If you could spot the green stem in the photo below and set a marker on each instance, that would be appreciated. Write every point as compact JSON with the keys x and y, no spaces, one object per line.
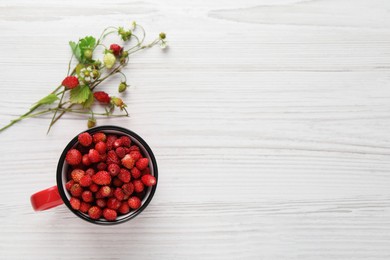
{"x":89,"y":112}
{"x":143,"y":33}
{"x":60,"y":115}
{"x":24,"y":116}
{"x":138,"y":42}
{"x":150,"y":45}
{"x":127,"y":113}
{"x":57,"y":88}
{"x":55,"y":113}
{"x":104,"y":35}
{"x":70,"y":62}
{"x":96,"y":83}
{"x":120,"y":72}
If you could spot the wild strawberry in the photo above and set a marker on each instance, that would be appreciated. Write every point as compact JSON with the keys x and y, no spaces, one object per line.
{"x":84,"y":207}
{"x":102,"y":97}
{"x":124,"y":208}
{"x":134,"y":202}
{"x":113,"y":203}
{"x":93,"y":187}
{"x":109,"y":60}
{"x":88,"y":54}
{"x":138,"y":185}
{"x":135,"y":155}
{"x":122,"y":87}
{"x":103,"y":157}
{"x":76,"y":190}
{"x":73,"y":157}
{"x":94,"y":156}
{"x":85,"y":139}
{"x":87,"y":196}
{"x":110,"y":141}
{"x":117,"y":182}
{"x":127,"y":150}
{"x":142,"y":163}
{"x":135,"y":173}
{"x":116,"y":49}
{"x":134,"y":148}
{"x":117,"y":143}
{"x":112,"y":158}
{"x":101,"y":203}
{"x":111,"y":193}
{"x":119,"y":194}
{"x":94,"y":212}
{"x":148,"y":180}
{"x":128,"y":188}
{"x":101,"y":178}
{"x":85,"y":160}
{"x":118,"y":102}
{"x":101,"y":166}
{"x":85,"y":181}
{"x":126,"y":141}
{"x":105,"y":191}
{"x":101,"y":147}
{"x":77,"y":174}
{"x":124,"y":175}
{"x":91,"y":122}
{"x":126,"y":197}
{"x":99,"y":137}
{"x":128,"y":161}
{"x":109,"y":214}
{"x":75,"y":203}
{"x":145,"y":171}
{"x":114,"y":169}
{"x":98,"y":195}
{"x":120,"y":151}
{"x":70,"y":82}
{"x":69,"y":184}
{"x":90,"y":171}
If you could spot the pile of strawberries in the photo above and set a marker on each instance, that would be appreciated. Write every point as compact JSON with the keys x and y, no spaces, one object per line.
{"x":107,"y":175}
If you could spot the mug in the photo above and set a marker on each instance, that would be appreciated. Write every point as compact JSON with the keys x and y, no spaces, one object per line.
{"x":58,"y":195}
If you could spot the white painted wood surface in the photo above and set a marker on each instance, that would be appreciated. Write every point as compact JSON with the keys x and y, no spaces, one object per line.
{"x":269,"y":121}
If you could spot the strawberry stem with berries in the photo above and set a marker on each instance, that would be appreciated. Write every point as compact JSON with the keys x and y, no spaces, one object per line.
{"x":77,"y":94}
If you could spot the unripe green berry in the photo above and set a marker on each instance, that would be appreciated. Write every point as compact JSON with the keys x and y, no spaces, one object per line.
{"x":88,"y":54}
{"x":162,"y":36}
{"x":122,"y":87}
{"x":125,"y":54}
{"x":91,"y":122}
{"x":95,"y":73}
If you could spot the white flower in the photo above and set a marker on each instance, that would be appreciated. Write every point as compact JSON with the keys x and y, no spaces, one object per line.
{"x":86,"y":74}
{"x":163,"y":44}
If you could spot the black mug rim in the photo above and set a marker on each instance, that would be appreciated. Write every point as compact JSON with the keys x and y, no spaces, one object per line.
{"x":60,"y":173}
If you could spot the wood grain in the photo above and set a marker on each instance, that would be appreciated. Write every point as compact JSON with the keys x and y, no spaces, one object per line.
{"x":269,"y":121}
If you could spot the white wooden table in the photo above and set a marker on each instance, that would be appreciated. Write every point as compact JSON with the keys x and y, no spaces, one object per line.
{"x":269,"y":120}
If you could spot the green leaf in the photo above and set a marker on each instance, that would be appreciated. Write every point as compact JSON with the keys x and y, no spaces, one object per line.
{"x":49,"y":99}
{"x":79,"y":95}
{"x":88,"y":103}
{"x":83,"y":44}
{"x":78,"y":68}
{"x":76,"y":50}
{"x":87,"y":42}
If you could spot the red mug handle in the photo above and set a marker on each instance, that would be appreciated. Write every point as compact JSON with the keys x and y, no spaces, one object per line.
{"x":46,"y":199}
